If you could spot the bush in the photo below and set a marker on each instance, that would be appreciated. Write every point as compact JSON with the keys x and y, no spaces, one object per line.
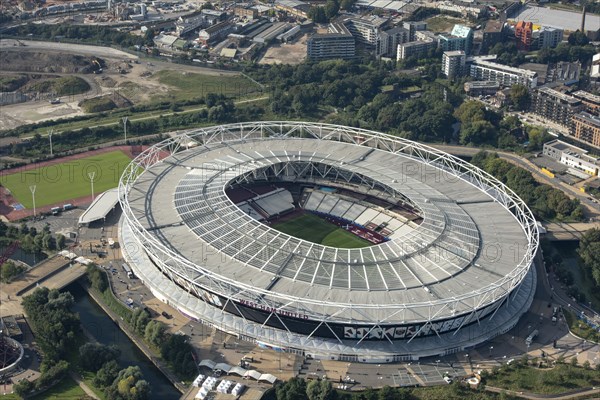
{"x":97,"y":104}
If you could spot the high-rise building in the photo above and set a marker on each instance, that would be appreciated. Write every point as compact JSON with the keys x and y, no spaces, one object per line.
{"x":337,"y":43}
{"x":388,"y":41}
{"x":546,"y":37}
{"x":453,"y":63}
{"x":524,"y":35}
{"x":590,"y":101}
{"x":418,"y":48}
{"x":586,"y":127}
{"x":555,"y":106}
{"x":506,"y":76}
{"x":366,"y":29}
{"x":461,"y":38}
{"x":493,"y":33}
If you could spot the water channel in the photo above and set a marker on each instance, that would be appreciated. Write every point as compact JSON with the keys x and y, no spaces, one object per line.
{"x":105,"y":331}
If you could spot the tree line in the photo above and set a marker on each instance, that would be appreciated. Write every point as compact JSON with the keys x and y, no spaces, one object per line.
{"x":545,"y":201}
{"x":174,"y":349}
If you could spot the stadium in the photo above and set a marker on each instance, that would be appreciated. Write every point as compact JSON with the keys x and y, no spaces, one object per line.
{"x":328,"y":241}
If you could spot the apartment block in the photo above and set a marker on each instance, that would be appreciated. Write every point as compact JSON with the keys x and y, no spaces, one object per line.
{"x":453,"y":63}
{"x":524,"y":35}
{"x":586,"y":127}
{"x":366,"y":29}
{"x":506,"y":76}
{"x":546,"y":37}
{"x":555,"y":106}
{"x":418,"y":48}
{"x":338,"y":43}
{"x":461,"y":38}
{"x":493,"y":33}
{"x":388,"y":41}
{"x":591,"y":101}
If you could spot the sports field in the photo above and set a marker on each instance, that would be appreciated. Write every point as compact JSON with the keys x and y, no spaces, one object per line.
{"x":317,"y":230}
{"x":65,"y":181}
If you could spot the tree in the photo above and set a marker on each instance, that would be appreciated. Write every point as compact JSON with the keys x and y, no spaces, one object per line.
{"x":97,"y":278}
{"x":519,"y":95}
{"x":578,"y":38}
{"x":331,"y":8}
{"x":178,"y":352}
{"x":9,"y":270}
{"x":93,"y":356}
{"x":128,"y":385}
{"x":23,"y":387}
{"x":470,"y":111}
{"x":589,"y":251}
{"x":477,"y":132}
{"x":319,"y":390}
{"x":317,"y":14}
{"x":347,"y":5}
{"x":139,"y":319}
{"x":60,"y":242}
{"x":106,"y":374}
{"x":155,"y":332}
{"x":52,"y":320}
{"x":293,"y":389}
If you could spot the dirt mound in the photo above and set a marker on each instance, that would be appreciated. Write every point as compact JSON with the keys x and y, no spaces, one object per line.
{"x":31,"y":61}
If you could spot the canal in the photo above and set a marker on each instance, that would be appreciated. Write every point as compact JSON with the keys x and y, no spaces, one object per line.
{"x":105,"y":331}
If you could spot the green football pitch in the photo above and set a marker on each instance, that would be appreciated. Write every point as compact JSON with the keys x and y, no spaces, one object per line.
{"x":69,"y":180}
{"x":317,"y":230}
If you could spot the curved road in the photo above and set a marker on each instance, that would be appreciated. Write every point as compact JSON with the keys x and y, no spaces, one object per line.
{"x":592,"y":210}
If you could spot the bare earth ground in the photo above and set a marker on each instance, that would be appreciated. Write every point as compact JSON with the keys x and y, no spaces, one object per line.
{"x":136,"y":85}
{"x":286,"y":53}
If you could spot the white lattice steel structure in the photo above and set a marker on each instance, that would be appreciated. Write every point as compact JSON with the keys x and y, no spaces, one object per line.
{"x":459,"y":278}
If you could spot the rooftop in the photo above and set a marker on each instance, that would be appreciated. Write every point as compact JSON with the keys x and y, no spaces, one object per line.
{"x":461,"y":31}
{"x":559,"y":95}
{"x":506,"y":68}
{"x":441,"y":254}
{"x":100,"y":207}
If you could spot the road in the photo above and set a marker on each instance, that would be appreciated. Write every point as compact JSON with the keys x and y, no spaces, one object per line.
{"x":592,"y":210}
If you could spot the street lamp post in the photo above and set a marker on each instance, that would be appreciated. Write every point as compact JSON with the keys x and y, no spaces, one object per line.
{"x":491,"y":348}
{"x":32,"y":190}
{"x":92,"y":175}
{"x":125,"y":127}
{"x":50,"y":138}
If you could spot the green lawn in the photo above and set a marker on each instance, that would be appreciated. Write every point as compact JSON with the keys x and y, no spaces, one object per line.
{"x":317,"y":230}
{"x":190,"y":85}
{"x":65,"y":390}
{"x":66,"y":181}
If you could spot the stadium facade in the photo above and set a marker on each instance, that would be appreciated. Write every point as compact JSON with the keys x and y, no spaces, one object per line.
{"x":447,"y":267}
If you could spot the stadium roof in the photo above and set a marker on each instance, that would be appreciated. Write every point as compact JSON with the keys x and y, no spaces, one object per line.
{"x":100,"y":207}
{"x":462,"y":246}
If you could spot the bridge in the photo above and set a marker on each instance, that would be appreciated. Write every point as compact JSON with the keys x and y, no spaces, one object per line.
{"x":565,"y":231}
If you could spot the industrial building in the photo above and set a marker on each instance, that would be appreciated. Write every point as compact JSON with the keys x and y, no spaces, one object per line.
{"x":572,"y":156}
